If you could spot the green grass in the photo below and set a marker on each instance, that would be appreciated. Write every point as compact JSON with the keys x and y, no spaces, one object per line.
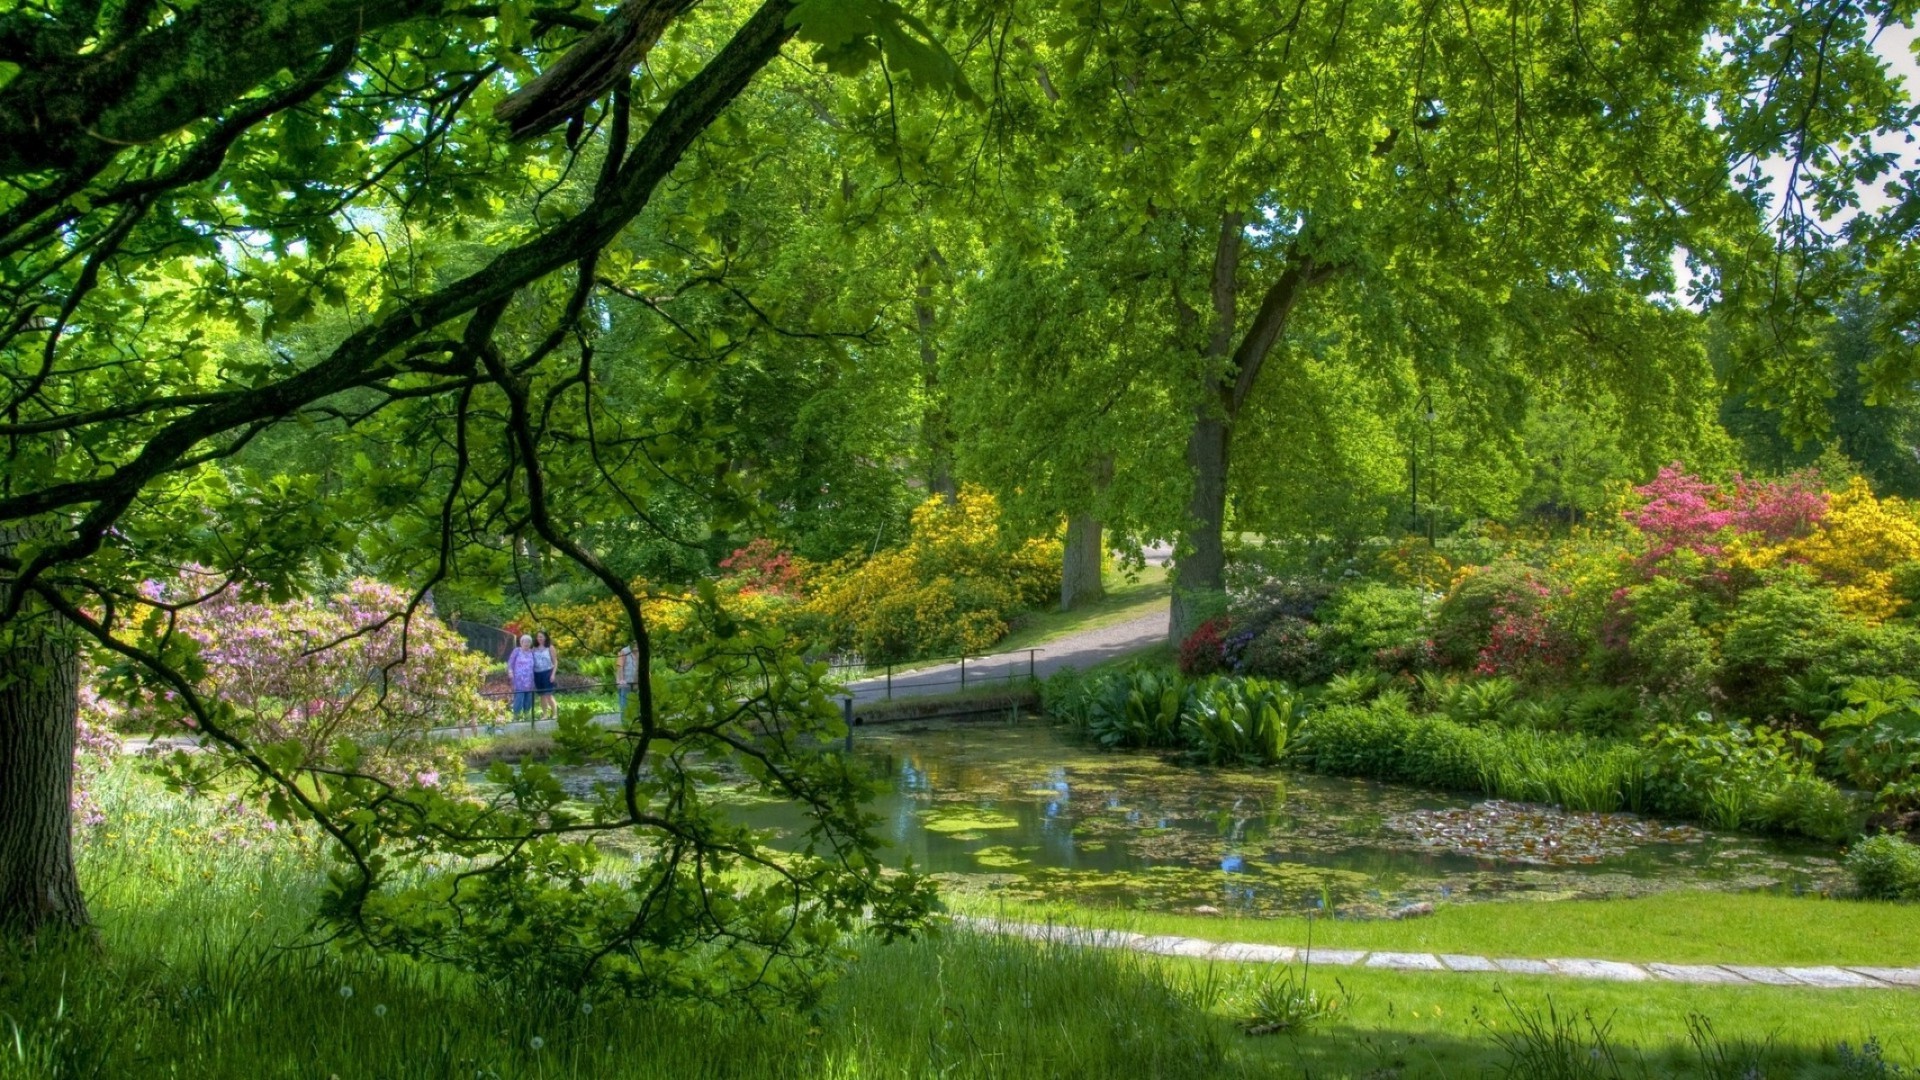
{"x":1147,"y":592}
{"x":1676,"y":927}
{"x":206,"y":969}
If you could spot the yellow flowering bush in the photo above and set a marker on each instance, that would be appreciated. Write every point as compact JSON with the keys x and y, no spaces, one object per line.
{"x":599,"y":627}
{"x":1858,"y":547}
{"x":950,"y":588}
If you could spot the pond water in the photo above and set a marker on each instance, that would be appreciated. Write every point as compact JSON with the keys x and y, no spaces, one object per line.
{"x":1024,"y":811}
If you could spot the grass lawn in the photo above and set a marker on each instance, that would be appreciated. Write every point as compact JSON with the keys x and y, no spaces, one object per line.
{"x":1411,"y":1024}
{"x":1677,"y":927}
{"x":1147,"y":592}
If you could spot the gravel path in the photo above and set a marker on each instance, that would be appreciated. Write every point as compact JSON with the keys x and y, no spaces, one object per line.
{"x":1827,"y":977}
{"x":1079,"y":650}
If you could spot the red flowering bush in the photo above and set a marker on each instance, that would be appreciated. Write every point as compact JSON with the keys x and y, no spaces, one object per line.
{"x":1204,"y":652}
{"x":763,"y":567}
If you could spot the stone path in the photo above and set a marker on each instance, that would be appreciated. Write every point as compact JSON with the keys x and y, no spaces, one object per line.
{"x":1825,"y":978}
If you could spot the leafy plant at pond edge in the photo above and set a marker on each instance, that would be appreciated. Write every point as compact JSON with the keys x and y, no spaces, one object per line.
{"x":1875,"y":741}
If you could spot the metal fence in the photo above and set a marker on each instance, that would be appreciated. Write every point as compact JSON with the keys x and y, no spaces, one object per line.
{"x":934,"y":674}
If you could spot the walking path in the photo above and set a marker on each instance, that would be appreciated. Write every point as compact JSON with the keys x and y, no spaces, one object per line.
{"x":1079,"y":650}
{"x":1827,"y":977}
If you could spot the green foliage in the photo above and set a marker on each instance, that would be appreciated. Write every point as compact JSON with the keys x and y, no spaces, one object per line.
{"x":1385,"y":740}
{"x":1372,"y":617}
{"x":1732,"y":776}
{"x":1233,"y":721}
{"x":1875,"y":741}
{"x":1222,"y":720}
{"x":1885,"y":867}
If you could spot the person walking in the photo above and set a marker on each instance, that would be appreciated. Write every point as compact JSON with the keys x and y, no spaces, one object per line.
{"x":626,"y":675}
{"x":520,"y":677}
{"x":546,"y":661}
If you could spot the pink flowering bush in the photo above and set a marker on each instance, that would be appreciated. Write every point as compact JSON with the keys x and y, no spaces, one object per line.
{"x":307,"y":675}
{"x":1684,"y":511}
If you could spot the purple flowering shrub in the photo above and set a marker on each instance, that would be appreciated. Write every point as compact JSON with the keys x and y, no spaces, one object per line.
{"x":310,"y":677}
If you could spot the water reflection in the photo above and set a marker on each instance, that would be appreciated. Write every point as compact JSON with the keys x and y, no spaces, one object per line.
{"x":1025,"y":812}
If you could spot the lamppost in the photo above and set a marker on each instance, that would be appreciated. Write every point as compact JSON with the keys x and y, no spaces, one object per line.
{"x":1413,"y":507}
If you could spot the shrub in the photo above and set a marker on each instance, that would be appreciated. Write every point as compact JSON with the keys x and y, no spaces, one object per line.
{"x":1204,"y":651}
{"x":1885,"y":867}
{"x":950,"y":589}
{"x":1481,"y":597}
{"x":1734,"y":776}
{"x":307,"y":674}
{"x":764,"y":566}
{"x":1290,"y":649}
{"x":1362,"y":621}
{"x":1673,"y":654}
{"x":1788,"y":626}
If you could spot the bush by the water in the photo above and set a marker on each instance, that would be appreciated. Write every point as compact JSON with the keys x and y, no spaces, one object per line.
{"x":1885,"y":867}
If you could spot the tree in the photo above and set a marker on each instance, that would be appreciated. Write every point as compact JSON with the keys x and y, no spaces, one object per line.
{"x":401,"y":228}
{"x":1459,"y":169}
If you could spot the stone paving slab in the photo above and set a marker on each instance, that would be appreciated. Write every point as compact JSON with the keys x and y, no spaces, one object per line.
{"x":1706,"y":974}
{"x":1257,"y":954}
{"x":1612,"y":970}
{"x":1406,"y":961}
{"x":1769,"y":976}
{"x":1339,"y":957}
{"x":1170,"y":945}
{"x":1823,"y":977}
{"x":1892,"y":976}
{"x":1525,"y":967}
{"x":1830,"y":978}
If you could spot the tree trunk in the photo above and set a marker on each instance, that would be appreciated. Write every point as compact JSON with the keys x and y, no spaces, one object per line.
{"x":1199,"y":582}
{"x":39,"y":705}
{"x":1082,"y":563}
{"x":935,"y":437}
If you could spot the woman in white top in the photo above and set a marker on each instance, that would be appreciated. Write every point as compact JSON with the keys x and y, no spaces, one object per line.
{"x":546,"y":661}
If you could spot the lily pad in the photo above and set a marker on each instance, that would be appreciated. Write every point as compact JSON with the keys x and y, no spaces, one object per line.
{"x":965,"y":819}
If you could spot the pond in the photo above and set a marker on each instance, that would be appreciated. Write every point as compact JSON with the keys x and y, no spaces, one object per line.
{"x":1023,"y":811}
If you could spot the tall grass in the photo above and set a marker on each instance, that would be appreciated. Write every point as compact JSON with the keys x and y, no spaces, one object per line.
{"x":1384,"y":742}
{"x":206,"y":967}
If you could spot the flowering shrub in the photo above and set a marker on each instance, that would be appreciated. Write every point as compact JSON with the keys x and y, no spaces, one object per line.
{"x":1683,"y":511}
{"x":763,"y":567}
{"x":307,"y":674}
{"x":949,"y":589}
{"x":1204,"y":651}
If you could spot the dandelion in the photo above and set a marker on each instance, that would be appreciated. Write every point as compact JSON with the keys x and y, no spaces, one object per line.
{"x":346,"y":992}
{"x":586,"y":1008}
{"x":537,"y":1043}
{"x":380,"y":1010}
